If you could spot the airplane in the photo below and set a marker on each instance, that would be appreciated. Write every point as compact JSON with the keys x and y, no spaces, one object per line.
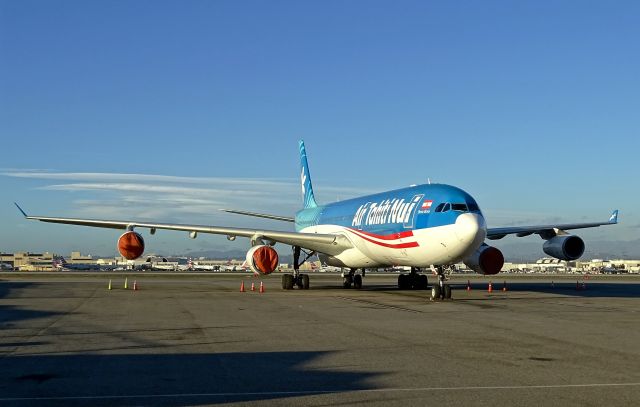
{"x":60,"y":263}
{"x":428,"y":226}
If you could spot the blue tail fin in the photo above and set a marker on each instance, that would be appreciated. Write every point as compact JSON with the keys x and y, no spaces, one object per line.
{"x":305,"y":180}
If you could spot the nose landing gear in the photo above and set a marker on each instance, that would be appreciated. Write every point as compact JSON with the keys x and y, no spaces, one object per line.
{"x":440,"y":290}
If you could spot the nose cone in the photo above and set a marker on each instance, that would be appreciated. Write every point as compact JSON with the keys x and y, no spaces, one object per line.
{"x":471,"y":228}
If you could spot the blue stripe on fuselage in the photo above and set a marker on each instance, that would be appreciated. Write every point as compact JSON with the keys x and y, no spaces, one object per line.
{"x":389,"y":212}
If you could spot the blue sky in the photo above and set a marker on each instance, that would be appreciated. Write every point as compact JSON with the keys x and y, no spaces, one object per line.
{"x":171,"y":110}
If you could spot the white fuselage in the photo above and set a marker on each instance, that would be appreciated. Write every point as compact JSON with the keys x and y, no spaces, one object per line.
{"x":440,"y":245}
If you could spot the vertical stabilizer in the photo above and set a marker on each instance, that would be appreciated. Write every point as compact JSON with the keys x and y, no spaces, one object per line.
{"x":305,"y":180}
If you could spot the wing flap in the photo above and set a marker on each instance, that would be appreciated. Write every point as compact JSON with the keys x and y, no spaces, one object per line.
{"x":260,"y":215}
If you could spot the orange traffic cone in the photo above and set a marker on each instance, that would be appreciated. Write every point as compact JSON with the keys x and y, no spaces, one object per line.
{"x":490,"y":287}
{"x":242,"y":286}
{"x":261,"y":287}
{"x":253,"y":286}
{"x":468,"y":285}
{"x":135,"y":285}
{"x":504,"y":287}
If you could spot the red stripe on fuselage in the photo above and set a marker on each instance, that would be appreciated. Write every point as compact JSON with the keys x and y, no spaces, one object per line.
{"x":392,"y":246}
{"x":392,"y":236}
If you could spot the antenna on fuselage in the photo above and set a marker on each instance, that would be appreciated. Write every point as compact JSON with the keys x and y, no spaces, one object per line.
{"x":428,"y":181}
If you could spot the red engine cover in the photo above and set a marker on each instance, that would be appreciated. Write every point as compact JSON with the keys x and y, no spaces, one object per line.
{"x":131,"y":245}
{"x":491,"y":260}
{"x":265,"y":259}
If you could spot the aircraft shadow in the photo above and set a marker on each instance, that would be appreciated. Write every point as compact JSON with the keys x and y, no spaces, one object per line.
{"x":10,"y":314}
{"x":590,"y":288}
{"x":169,"y":379}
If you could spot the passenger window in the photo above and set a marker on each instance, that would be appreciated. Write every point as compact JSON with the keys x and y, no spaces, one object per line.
{"x":439,"y":207}
{"x":459,"y":207}
{"x":447,"y":207}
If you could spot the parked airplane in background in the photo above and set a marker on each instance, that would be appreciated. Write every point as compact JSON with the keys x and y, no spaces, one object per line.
{"x":422,"y":226}
{"x":60,"y":263}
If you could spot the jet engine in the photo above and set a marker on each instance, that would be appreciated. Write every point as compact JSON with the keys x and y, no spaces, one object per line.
{"x":486,"y":260}
{"x":564,"y":247}
{"x":131,"y":245}
{"x":262,"y":259}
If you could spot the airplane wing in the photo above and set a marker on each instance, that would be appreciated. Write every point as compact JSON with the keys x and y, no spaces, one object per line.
{"x":260,"y":215}
{"x":546,"y":230}
{"x":324,"y":243}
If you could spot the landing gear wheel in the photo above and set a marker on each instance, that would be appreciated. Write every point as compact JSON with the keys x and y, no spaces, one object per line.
{"x":305,"y":281}
{"x":346,"y":282}
{"x":357,"y":281}
{"x":287,"y":282}
{"x":403,"y":282}
{"x":436,"y":292}
{"x":446,"y":292}
{"x":422,"y":282}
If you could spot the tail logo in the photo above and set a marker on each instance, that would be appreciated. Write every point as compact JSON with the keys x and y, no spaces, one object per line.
{"x":303,"y":179}
{"x":614,"y":217}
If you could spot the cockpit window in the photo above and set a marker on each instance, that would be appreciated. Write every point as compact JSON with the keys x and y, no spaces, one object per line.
{"x":447,"y":207}
{"x":473,"y":207}
{"x":460,"y":207}
{"x":439,"y":207}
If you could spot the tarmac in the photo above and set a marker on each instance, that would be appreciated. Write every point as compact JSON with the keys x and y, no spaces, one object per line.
{"x":186,"y":340}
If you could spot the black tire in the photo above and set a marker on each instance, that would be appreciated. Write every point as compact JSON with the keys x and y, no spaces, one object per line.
{"x":287,"y":282}
{"x":436,"y":292}
{"x":422,"y":282}
{"x":305,"y":281}
{"x":403,"y":282}
{"x":346,"y":282}
{"x":357,"y":281}
{"x":446,"y":292}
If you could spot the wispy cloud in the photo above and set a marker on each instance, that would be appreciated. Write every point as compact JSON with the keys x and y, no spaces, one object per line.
{"x":146,"y":188}
{"x":174,"y":198}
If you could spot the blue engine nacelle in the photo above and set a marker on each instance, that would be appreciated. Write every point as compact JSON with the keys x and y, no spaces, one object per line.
{"x":564,"y":247}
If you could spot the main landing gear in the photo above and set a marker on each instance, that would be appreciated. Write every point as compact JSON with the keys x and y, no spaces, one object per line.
{"x":297,"y":279}
{"x":352,"y":278}
{"x":413,"y":280}
{"x":440,"y":290}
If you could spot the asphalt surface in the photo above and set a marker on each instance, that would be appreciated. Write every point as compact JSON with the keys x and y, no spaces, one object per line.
{"x":67,"y":340}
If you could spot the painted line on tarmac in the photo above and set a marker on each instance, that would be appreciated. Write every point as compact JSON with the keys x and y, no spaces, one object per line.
{"x":316,"y":392}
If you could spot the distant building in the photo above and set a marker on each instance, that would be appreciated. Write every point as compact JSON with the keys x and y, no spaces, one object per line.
{"x":77,"y":258}
{"x":25,"y":261}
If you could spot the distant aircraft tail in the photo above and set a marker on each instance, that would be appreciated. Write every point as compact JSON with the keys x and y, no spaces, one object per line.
{"x":305,"y":180}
